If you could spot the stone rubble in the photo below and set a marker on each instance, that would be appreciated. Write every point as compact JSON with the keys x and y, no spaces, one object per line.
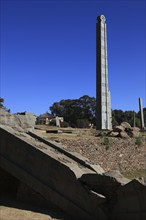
{"x":119,"y":154}
{"x":124,"y":130}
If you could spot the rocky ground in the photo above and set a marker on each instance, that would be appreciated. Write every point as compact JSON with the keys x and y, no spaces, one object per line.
{"x":128,"y":155}
{"x":111,"y":153}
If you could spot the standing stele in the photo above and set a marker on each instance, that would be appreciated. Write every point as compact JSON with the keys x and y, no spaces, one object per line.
{"x":103,"y":100}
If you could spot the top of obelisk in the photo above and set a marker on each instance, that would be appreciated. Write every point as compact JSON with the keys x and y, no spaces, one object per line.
{"x":101,"y":18}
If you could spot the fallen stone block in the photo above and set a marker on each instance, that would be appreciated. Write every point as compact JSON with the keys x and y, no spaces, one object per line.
{"x":130,"y":202}
{"x":106,"y":183}
{"x":50,"y":172}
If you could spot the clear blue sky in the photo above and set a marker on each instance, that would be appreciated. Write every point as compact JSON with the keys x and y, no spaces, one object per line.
{"x":48,"y":52}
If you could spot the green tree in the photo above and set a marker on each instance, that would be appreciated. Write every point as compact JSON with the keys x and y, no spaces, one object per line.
{"x":1,"y":102}
{"x":79,"y":112}
{"x":144,"y":114}
{"x":74,"y":109}
{"x":117,"y":116}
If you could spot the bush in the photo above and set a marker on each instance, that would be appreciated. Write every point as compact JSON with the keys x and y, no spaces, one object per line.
{"x":105,"y":141}
{"x":82,"y":123}
{"x":64,"y":124}
{"x":138,"y":141}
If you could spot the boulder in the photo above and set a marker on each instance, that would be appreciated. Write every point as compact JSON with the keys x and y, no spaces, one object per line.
{"x":118,"y":128}
{"x":20,"y":122}
{"x":114,"y":134}
{"x":133,"y":133}
{"x":125,"y":125}
{"x":136,"y":129}
{"x":105,"y":184}
{"x":123,"y":134}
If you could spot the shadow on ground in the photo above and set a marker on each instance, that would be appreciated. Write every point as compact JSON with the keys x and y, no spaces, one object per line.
{"x":9,"y":200}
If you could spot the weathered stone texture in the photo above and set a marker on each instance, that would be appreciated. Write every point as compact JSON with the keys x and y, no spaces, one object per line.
{"x":49,"y":173}
{"x":124,"y":130}
{"x":69,"y":181}
{"x":20,"y":122}
{"x":130,"y":203}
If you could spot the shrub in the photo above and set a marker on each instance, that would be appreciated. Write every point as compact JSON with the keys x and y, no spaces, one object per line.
{"x":64,"y":124}
{"x":82,"y":123}
{"x":138,"y":141}
{"x":105,"y":141}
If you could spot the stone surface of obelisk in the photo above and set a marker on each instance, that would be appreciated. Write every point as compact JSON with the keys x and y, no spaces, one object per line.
{"x":103,"y":100}
{"x":141,"y":113}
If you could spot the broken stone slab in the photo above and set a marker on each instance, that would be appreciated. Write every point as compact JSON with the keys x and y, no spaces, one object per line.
{"x":106,"y":183}
{"x":97,"y":168}
{"x":130,"y":202}
{"x":8,"y":183}
{"x":55,"y":131}
{"x":74,"y":155}
{"x":19,"y":122}
{"x":118,"y":176}
{"x":69,"y":131}
{"x":49,"y":172}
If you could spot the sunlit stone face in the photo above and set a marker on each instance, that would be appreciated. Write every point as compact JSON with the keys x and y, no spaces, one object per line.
{"x":102,"y":92}
{"x":102,"y":17}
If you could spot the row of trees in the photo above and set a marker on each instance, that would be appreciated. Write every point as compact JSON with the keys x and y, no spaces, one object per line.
{"x":1,"y":102}
{"x":81,"y":112}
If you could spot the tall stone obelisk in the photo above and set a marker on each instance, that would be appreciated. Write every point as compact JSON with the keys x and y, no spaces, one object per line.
{"x":141,"y":113}
{"x":103,"y":100}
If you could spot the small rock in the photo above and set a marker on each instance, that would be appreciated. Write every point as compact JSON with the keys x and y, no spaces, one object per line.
{"x":114,"y":134}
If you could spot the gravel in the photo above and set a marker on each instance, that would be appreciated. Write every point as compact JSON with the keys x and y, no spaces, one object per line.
{"x":110,"y":153}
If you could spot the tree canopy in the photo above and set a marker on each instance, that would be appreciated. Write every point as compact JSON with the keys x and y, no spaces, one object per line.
{"x":80,"y":112}
{"x":74,"y":111}
{"x":1,"y":102}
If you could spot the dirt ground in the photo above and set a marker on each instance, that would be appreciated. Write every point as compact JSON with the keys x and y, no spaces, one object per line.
{"x":12,"y":209}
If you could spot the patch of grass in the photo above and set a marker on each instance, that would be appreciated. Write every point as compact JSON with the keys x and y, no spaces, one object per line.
{"x":138,"y":141}
{"x":53,"y":139}
{"x":105,"y":141}
{"x":134,"y":174}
